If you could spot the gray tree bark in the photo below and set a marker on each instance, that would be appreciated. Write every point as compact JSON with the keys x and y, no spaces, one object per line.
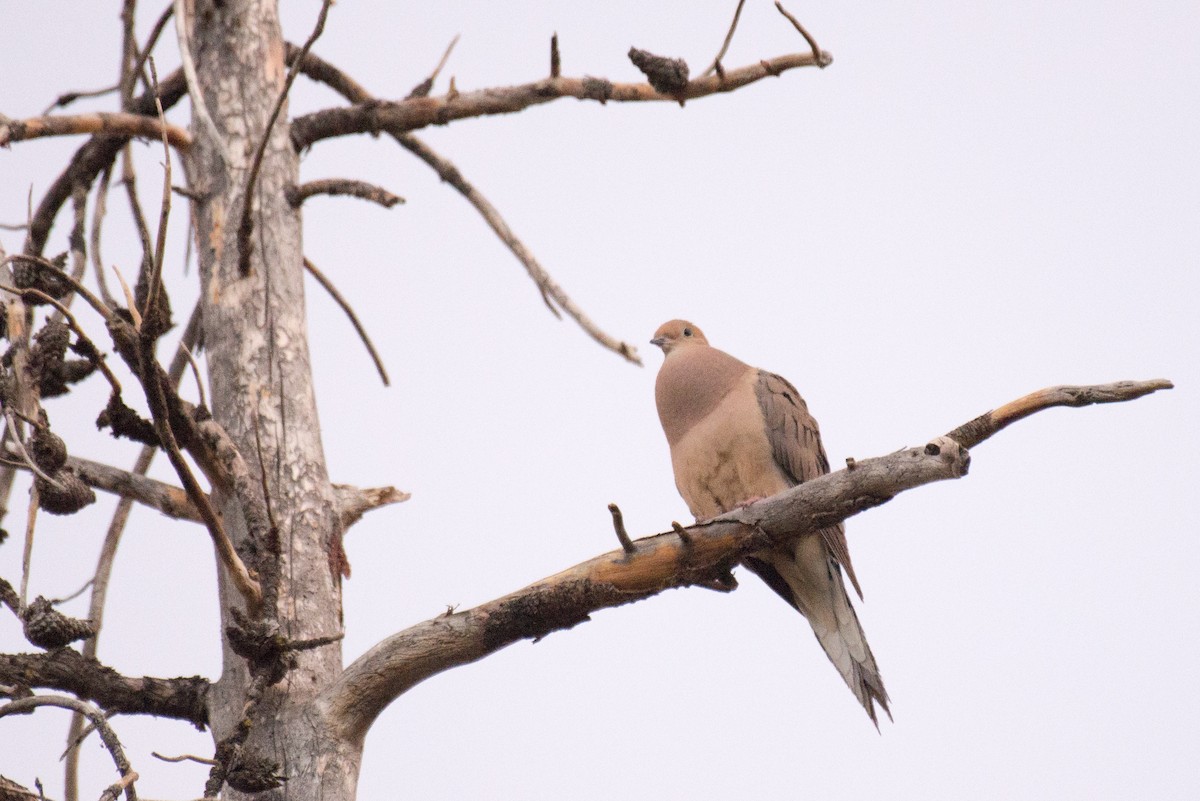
{"x":262,"y":394}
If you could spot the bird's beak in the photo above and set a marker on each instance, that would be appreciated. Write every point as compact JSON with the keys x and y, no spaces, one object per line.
{"x":658,"y":341}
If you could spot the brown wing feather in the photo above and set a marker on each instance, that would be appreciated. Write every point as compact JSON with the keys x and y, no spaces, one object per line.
{"x":796,"y":445}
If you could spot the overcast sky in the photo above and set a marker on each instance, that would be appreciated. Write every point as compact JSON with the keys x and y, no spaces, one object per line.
{"x":973,"y":202}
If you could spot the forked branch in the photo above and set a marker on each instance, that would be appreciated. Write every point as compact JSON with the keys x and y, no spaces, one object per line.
{"x":700,"y":555}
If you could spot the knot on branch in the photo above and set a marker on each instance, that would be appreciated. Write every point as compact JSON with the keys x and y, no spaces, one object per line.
{"x":252,"y":773}
{"x":950,"y":451}
{"x":60,"y":491}
{"x":31,"y":273}
{"x":668,"y":76}
{"x":269,"y":652}
{"x":48,"y":628}
{"x":597,"y":89}
{"x":125,"y":422}
{"x":48,"y":449}
{"x":262,"y":644}
{"x":50,"y":368}
{"x":156,"y":311}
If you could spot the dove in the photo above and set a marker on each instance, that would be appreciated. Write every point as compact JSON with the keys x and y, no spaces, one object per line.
{"x":738,"y":434}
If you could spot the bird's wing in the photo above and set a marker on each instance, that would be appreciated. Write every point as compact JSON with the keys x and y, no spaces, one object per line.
{"x":796,"y":445}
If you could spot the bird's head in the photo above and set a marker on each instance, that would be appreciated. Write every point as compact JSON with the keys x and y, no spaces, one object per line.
{"x":676,"y":334}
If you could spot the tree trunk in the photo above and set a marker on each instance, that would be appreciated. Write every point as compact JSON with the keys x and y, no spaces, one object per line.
{"x":261,"y":392}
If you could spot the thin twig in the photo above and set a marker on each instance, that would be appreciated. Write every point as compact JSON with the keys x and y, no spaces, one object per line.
{"x":246,"y":584}
{"x":98,"y":212}
{"x":296,"y":195}
{"x":186,"y":351}
{"x":619,"y":526}
{"x":156,"y":266}
{"x":113,"y":790}
{"x":126,"y":75}
{"x":555,"y":57}
{"x":354,"y":321}
{"x":184,"y":758}
{"x":199,"y":108}
{"x":426,"y":86}
{"x":30,"y":521}
{"x":112,"y":538}
{"x":67,"y":98}
{"x":107,"y":735}
{"x":130,"y":303}
{"x":77,"y":244}
{"x":246,"y":227}
{"x":129,"y":178}
{"x":152,"y":39}
{"x":821,"y":58}
{"x":552,"y":294}
{"x":716,"y":64}
{"x":11,"y":415}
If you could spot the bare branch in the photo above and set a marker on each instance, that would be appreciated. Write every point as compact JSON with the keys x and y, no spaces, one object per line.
{"x":701,"y":556}
{"x":328,"y":286}
{"x":169,"y":499}
{"x":107,"y":735}
{"x":184,"y":758}
{"x":112,"y":538}
{"x":103,"y":122}
{"x":246,"y":227}
{"x":67,"y":98}
{"x":716,"y":63}
{"x":354,"y":502}
{"x":410,"y":115}
{"x":98,"y":212}
{"x":192,"y":81}
{"x":90,"y":160}
{"x":552,"y":294}
{"x":976,"y":431}
{"x":66,"y":670}
{"x":342,"y":186}
{"x":821,"y":58}
{"x":156,"y":265}
{"x":426,"y":86}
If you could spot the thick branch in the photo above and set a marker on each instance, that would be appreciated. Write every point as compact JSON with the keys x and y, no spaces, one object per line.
{"x":971,"y":434}
{"x":420,"y":112}
{"x":660,"y":562}
{"x":66,"y":670}
{"x":100,"y":122}
{"x":169,"y":499}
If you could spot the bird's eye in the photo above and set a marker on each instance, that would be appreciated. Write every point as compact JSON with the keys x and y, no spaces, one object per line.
{"x":687,"y":332}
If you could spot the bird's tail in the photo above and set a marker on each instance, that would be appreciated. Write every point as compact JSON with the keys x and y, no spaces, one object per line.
{"x":811,"y":581}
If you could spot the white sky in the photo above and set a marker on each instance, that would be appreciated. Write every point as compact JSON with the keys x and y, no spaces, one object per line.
{"x":974,"y":201}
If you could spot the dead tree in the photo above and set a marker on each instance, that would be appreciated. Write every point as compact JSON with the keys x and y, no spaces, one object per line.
{"x":265,"y":496}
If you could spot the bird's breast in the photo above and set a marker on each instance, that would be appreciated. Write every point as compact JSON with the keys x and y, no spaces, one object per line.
{"x":724,"y":459}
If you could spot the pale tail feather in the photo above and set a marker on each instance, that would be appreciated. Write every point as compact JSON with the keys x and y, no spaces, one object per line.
{"x":814,"y":583}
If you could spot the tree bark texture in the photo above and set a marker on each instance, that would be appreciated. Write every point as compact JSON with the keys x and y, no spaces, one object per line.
{"x":262,"y":394}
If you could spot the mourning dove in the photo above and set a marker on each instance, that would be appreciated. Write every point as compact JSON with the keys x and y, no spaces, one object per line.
{"x":738,"y":434}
